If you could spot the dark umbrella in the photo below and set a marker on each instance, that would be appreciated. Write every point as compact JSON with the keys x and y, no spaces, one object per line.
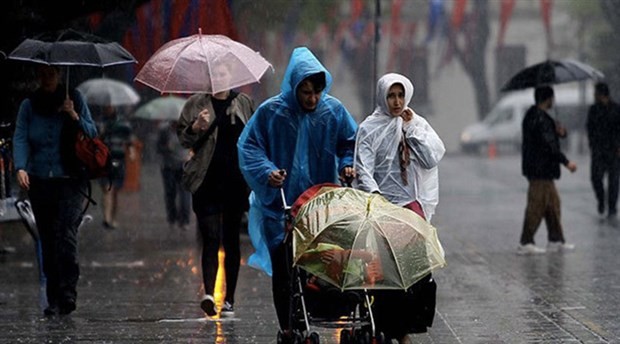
{"x":69,"y":47}
{"x":551,"y":72}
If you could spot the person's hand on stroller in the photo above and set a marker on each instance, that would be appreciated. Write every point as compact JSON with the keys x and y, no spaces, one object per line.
{"x":347,"y":175}
{"x":276,"y":178}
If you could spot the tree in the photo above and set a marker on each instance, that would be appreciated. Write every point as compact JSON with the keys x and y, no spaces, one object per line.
{"x":471,"y":53}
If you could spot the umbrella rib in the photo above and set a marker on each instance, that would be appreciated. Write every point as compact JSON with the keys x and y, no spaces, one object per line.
{"x":176,"y":59}
{"x":206,"y":55}
{"x":391,"y":250}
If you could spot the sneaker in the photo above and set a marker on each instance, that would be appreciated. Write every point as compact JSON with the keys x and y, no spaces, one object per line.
{"x":528,"y":249}
{"x":601,"y":208}
{"x":208,"y":305}
{"x":227,"y":310}
{"x":557,"y":246}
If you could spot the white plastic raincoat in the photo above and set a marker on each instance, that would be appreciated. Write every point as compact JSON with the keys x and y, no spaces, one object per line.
{"x":377,"y":157}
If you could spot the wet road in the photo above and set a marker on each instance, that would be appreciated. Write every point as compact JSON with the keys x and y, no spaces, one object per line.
{"x":141,"y":283}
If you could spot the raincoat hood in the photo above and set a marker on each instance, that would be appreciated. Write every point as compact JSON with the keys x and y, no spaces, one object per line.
{"x":313,"y":147}
{"x":377,"y":160}
{"x":383,"y":86}
{"x":301,"y":65}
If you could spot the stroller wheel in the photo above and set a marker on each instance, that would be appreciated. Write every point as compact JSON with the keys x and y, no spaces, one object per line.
{"x":313,"y":338}
{"x":345,"y":336}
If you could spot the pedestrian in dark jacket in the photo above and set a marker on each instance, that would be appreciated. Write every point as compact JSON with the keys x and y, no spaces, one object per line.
{"x":603,"y":126}
{"x":173,"y":156}
{"x":41,"y":148}
{"x":541,"y":159}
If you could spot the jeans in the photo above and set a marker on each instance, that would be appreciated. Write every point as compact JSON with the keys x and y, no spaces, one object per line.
{"x":601,"y":165}
{"x":57,"y":204}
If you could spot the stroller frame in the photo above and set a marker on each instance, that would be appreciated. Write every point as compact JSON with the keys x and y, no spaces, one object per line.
{"x":357,"y":327}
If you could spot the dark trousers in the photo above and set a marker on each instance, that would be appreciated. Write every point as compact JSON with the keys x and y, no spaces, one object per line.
{"x":218,"y":224}
{"x":543,"y":201}
{"x":57,"y":204}
{"x":281,"y":286}
{"x":176,"y":212}
{"x":601,"y":165}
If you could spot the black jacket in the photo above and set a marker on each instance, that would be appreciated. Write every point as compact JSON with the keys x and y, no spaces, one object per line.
{"x":541,"y":155}
{"x":603,"y":125}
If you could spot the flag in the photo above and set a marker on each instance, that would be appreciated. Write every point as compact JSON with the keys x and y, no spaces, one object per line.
{"x":545,"y":12}
{"x":504,"y":16}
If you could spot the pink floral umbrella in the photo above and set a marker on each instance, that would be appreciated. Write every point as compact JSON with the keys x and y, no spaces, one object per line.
{"x":202,"y":63}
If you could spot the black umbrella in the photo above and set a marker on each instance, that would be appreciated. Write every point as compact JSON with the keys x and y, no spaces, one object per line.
{"x":71,"y":48}
{"x":551,"y":72}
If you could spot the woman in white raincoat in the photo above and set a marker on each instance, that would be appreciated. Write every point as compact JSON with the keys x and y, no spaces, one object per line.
{"x":396,"y":155}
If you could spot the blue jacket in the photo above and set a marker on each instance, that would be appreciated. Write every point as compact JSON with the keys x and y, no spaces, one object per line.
{"x":313,"y":147}
{"x":37,"y":137}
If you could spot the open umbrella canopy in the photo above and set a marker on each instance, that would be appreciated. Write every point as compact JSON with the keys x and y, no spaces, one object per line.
{"x":202,"y":63}
{"x":162,"y":108}
{"x":103,"y":91}
{"x":71,"y":48}
{"x":551,"y":72}
{"x":354,"y":240}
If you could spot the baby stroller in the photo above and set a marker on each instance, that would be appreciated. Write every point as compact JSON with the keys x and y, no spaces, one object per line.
{"x":342,"y":244}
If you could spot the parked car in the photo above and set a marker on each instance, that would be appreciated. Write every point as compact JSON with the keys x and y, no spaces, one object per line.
{"x":502,"y":125}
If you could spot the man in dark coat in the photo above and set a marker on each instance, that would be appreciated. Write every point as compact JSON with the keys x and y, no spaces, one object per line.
{"x":541,"y":159}
{"x":603,"y":125}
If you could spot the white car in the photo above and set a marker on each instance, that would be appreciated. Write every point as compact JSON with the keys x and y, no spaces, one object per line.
{"x":502,"y":125}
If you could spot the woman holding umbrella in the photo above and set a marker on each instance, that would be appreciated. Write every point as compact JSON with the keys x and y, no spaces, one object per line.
{"x":396,"y":155}
{"x":210,"y":126}
{"x":43,"y":152}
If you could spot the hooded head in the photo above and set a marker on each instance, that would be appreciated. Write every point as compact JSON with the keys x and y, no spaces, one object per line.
{"x":383,"y":91}
{"x":304,"y":66}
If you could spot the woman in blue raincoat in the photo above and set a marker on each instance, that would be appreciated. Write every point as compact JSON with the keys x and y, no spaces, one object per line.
{"x":296,"y":139}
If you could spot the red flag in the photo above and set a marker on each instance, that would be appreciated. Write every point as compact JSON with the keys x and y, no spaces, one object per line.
{"x":504,"y":17}
{"x":545,"y":11}
{"x":458,"y":13}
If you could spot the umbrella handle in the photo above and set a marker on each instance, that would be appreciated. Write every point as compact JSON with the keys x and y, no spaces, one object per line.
{"x":67,"y":83}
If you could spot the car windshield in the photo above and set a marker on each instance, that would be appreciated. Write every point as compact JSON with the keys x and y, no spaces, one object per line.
{"x":498,"y":115}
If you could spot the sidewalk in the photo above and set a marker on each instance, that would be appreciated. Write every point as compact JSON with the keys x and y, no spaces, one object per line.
{"x":141,"y":283}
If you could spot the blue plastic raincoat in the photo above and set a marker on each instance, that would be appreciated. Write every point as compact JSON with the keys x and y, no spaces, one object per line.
{"x":313,"y":147}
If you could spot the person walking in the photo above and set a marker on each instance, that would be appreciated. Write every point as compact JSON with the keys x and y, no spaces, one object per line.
{"x":540,"y":164}
{"x":397,"y":155}
{"x":603,"y":128}
{"x":117,"y":134}
{"x":173,"y":156}
{"x":209,"y":126}
{"x":44,"y":153}
{"x":299,"y":138}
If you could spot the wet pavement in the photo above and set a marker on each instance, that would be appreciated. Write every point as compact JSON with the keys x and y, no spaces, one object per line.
{"x":141,"y":283}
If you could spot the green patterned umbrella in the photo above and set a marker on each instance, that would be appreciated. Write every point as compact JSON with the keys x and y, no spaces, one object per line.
{"x":356,"y":240}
